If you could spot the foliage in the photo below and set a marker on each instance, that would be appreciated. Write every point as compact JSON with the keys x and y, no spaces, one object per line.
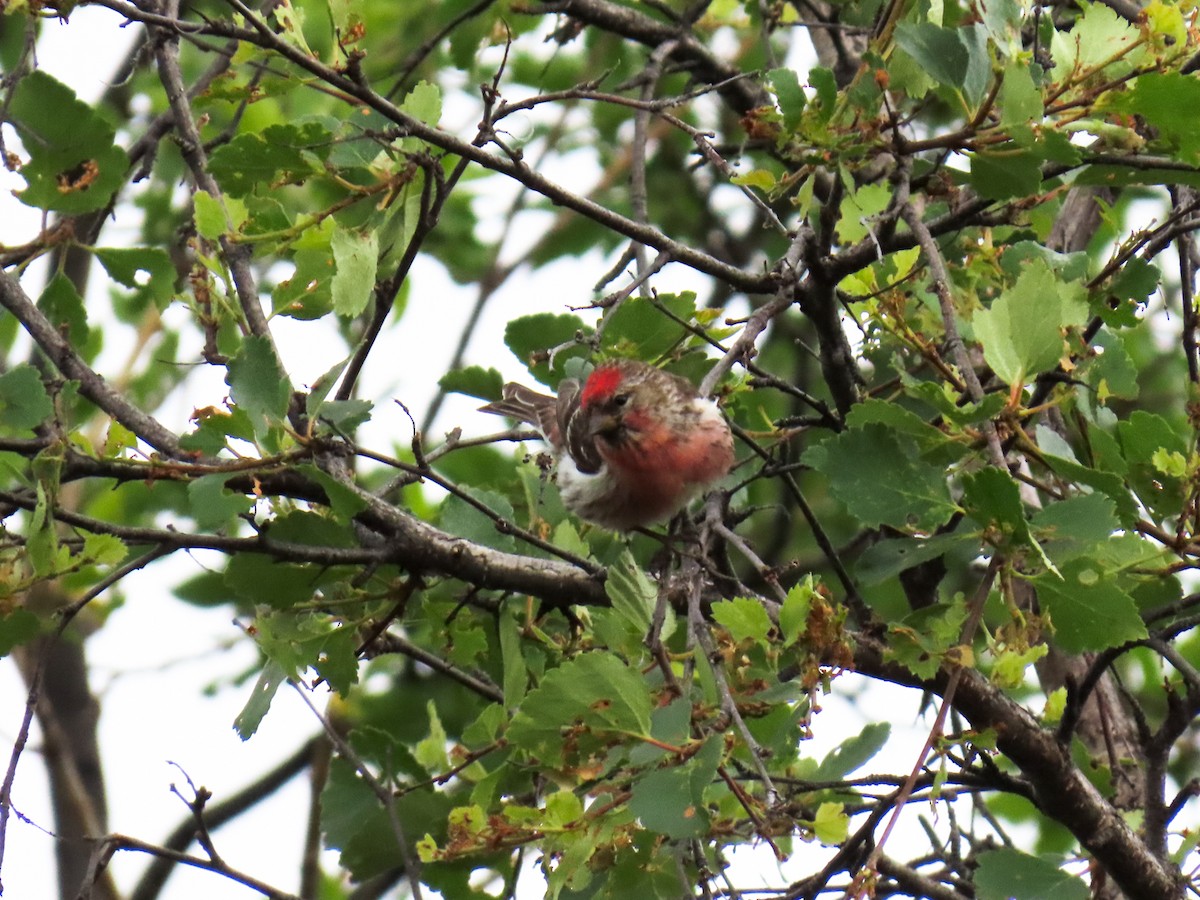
{"x":937,"y":262}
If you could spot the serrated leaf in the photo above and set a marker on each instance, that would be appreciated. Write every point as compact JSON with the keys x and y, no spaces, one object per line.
{"x":880,"y":482}
{"x":104,"y":549}
{"x":744,"y":618}
{"x":956,"y":58}
{"x":258,"y":384}
{"x":355,"y":255}
{"x":1089,"y":611}
{"x":346,"y":416}
{"x":831,"y":824}
{"x":343,"y":500}
{"x":596,"y":690}
{"x":253,"y":161}
{"x":259,"y":704}
{"x":887,"y":559}
{"x":1009,"y":874}
{"x":853,"y":753}
{"x":1022,"y":333}
{"x":530,"y":337}
{"x":1075,"y":526}
{"x":785,"y":85}
{"x":209,"y":216}
{"x":259,"y":579}
{"x":148,"y":271}
{"x":24,"y":403}
{"x":793,"y":614}
{"x":61,"y":304}
{"x":214,"y":507}
{"x":424,"y":102}
{"x":991,"y":498}
{"x":17,"y":627}
{"x":1158,"y":97}
{"x":516,"y":672}
{"x":74,"y":167}
{"x":474,"y":381}
{"x":632,"y":593}
{"x":1005,"y":173}
{"x":466,"y":521}
{"x":663,"y":801}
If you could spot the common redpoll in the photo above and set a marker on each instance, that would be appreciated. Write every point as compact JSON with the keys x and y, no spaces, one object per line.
{"x":633,"y":445}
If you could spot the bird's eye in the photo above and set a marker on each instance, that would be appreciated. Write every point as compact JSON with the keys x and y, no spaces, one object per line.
{"x":619,"y":400}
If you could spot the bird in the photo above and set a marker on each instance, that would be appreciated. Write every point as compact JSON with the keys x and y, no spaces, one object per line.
{"x":633,"y":444}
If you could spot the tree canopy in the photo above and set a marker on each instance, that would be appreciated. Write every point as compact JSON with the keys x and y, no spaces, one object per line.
{"x":936,"y":261}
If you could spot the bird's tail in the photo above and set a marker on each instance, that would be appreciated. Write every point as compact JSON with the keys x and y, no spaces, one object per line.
{"x":528,"y":406}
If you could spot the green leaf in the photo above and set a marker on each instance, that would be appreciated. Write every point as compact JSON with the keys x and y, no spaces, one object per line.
{"x":147,"y":270}
{"x":991,"y":498}
{"x":887,"y":559}
{"x":824,"y":83}
{"x":1020,"y":100}
{"x":785,"y":85}
{"x":308,"y":292}
{"x":1005,"y":173}
{"x":256,"y":708}
{"x":345,"y":416}
{"x":17,"y":627}
{"x":516,"y":671}
{"x":474,"y":381}
{"x":1009,"y":874}
{"x":355,"y":822}
{"x":1075,"y":526}
{"x":1144,"y":433}
{"x":1110,"y":371}
{"x":831,"y":824}
{"x":252,"y":161}
{"x":793,"y":615}
{"x":853,"y":753}
{"x":956,"y":58}
{"x":259,"y":579}
{"x":1089,"y":610}
{"x":530,"y":338}
{"x":670,"y":801}
{"x":596,"y":690}
{"x":424,"y":102}
{"x":209,"y":216}
{"x":464,"y":520}
{"x":859,"y":208}
{"x":214,"y":507}
{"x":61,"y":304}
{"x":1159,"y":97}
{"x":940,"y":51}
{"x":24,"y":403}
{"x":1101,"y":41}
{"x":355,"y":254}
{"x":744,"y":618}
{"x":639,"y":328}
{"x":343,"y":500}
{"x":634,"y":596}
{"x":258,"y":384}
{"x":1113,"y":175}
{"x":1011,"y":665}
{"x":921,"y":641}
{"x":74,"y":167}
{"x":1022,"y":333}
{"x":880,"y":481}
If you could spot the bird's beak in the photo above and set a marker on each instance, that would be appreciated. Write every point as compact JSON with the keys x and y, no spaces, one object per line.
{"x":604,"y":425}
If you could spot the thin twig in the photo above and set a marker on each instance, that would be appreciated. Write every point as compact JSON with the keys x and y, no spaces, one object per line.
{"x":412,"y":865}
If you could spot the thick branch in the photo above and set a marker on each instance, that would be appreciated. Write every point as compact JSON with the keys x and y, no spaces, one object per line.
{"x":1060,"y":788}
